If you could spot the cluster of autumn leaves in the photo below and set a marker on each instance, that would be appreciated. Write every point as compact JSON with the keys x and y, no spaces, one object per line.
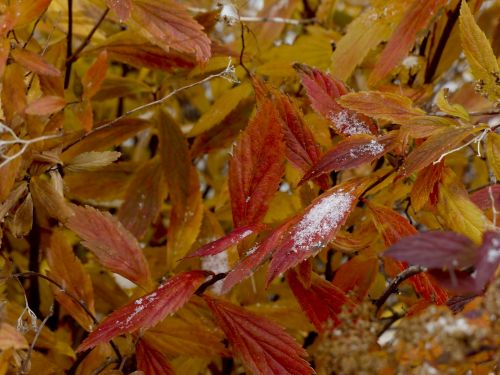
{"x":164,"y":211}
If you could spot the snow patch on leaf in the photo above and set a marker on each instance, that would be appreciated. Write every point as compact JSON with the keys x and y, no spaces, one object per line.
{"x":349,"y":122}
{"x":322,"y":219}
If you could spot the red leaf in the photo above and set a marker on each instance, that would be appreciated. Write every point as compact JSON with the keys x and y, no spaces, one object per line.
{"x":46,"y":105}
{"x":94,"y":76}
{"x":255,"y":256}
{"x":489,"y":258}
{"x":487,"y":197}
{"x":151,"y":361}
{"x":321,"y":301}
{"x":233,"y":238}
{"x":323,"y":90}
{"x":301,"y":148}
{"x":122,"y":8}
{"x":262,"y":346}
{"x":114,"y":246}
{"x":435,"y":250}
{"x":416,"y":18}
{"x":148,"y":310}
{"x":350,"y":153}
{"x":425,"y":189}
{"x":256,"y":167}
{"x":34,"y":62}
{"x":169,"y":25}
{"x":315,"y":227}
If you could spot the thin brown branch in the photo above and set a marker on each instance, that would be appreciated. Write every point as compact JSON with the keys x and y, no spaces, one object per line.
{"x":393,"y":286}
{"x":69,"y":45}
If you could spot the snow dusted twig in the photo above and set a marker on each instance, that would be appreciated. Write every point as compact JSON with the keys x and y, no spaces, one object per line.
{"x":25,"y":143}
{"x":229,"y":74}
{"x":477,"y":139}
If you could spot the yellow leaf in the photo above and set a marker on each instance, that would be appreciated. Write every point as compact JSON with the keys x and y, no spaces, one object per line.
{"x":457,"y":210}
{"x":221,"y":108}
{"x":455,"y":110}
{"x":493,"y":153}
{"x":482,"y":61}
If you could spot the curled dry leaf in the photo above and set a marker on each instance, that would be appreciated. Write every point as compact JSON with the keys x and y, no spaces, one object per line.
{"x":146,"y":311}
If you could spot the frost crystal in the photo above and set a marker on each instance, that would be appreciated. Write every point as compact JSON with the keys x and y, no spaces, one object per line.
{"x":493,"y":254}
{"x":372,"y":148}
{"x":349,"y":123}
{"x":321,"y":219}
{"x":217,"y":263}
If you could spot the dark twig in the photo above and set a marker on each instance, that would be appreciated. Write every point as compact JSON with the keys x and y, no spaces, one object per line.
{"x":33,"y":29}
{"x":393,"y":287}
{"x":242,"y":52}
{"x":34,"y":266}
{"x":87,"y":39}
{"x":69,"y":45}
{"x":203,"y":287}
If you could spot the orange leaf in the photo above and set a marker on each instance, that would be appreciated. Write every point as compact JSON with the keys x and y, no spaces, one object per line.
{"x":28,"y":11}
{"x":357,"y":275}
{"x":417,"y":18}
{"x":148,"y":310}
{"x":94,"y":76}
{"x":169,"y":25}
{"x":115,"y":247}
{"x":143,"y":198}
{"x":321,"y":301}
{"x":184,"y":187}
{"x":434,"y":148}
{"x":352,"y":152}
{"x":122,"y":8}
{"x":67,"y":270}
{"x":46,"y":105}
{"x":426,"y":186}
{"x":323,"y":91}
{"x":151,"y":361}
{"x":34,"y":62}
{"x":262,"y":346}
{"x":256,"y":167}
{"x":381,"y":105}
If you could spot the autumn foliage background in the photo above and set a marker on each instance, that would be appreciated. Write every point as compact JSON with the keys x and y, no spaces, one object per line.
{"x":262,"y":187}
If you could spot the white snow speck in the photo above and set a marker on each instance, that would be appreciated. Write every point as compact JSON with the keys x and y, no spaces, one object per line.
{"x":372,"y":148}
{"x":348,"y":123}
{"x":493,"y":254}
{"x":410,"y":61}
{"x":218,"y":263}
{"x":321,"y":219}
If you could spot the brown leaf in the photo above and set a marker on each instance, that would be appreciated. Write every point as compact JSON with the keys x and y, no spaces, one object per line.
{"x":67,"y":270}
{"x":48,"y":199}
{"x":183,"y":184}
{"x":122,"y":8}
{"x":115,"y":247}
{"x":143,"y":198}
{"x":151,"y":361}
{"x":262,"y":346}
{"x":169,"y":25}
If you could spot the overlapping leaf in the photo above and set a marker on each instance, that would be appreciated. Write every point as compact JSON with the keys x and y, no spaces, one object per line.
{"x":148,"y":310}
{"x":256,"y":168}
{"x":151,"y":361}
{"x":262,"y":346}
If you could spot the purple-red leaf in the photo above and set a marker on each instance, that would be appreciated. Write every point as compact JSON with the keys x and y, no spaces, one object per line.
{"x":435,"y":250}
{"x":350,"y":153}
{"x":262,"y":346}
{"x":256,"y":167}
{"x":148,"y":310}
